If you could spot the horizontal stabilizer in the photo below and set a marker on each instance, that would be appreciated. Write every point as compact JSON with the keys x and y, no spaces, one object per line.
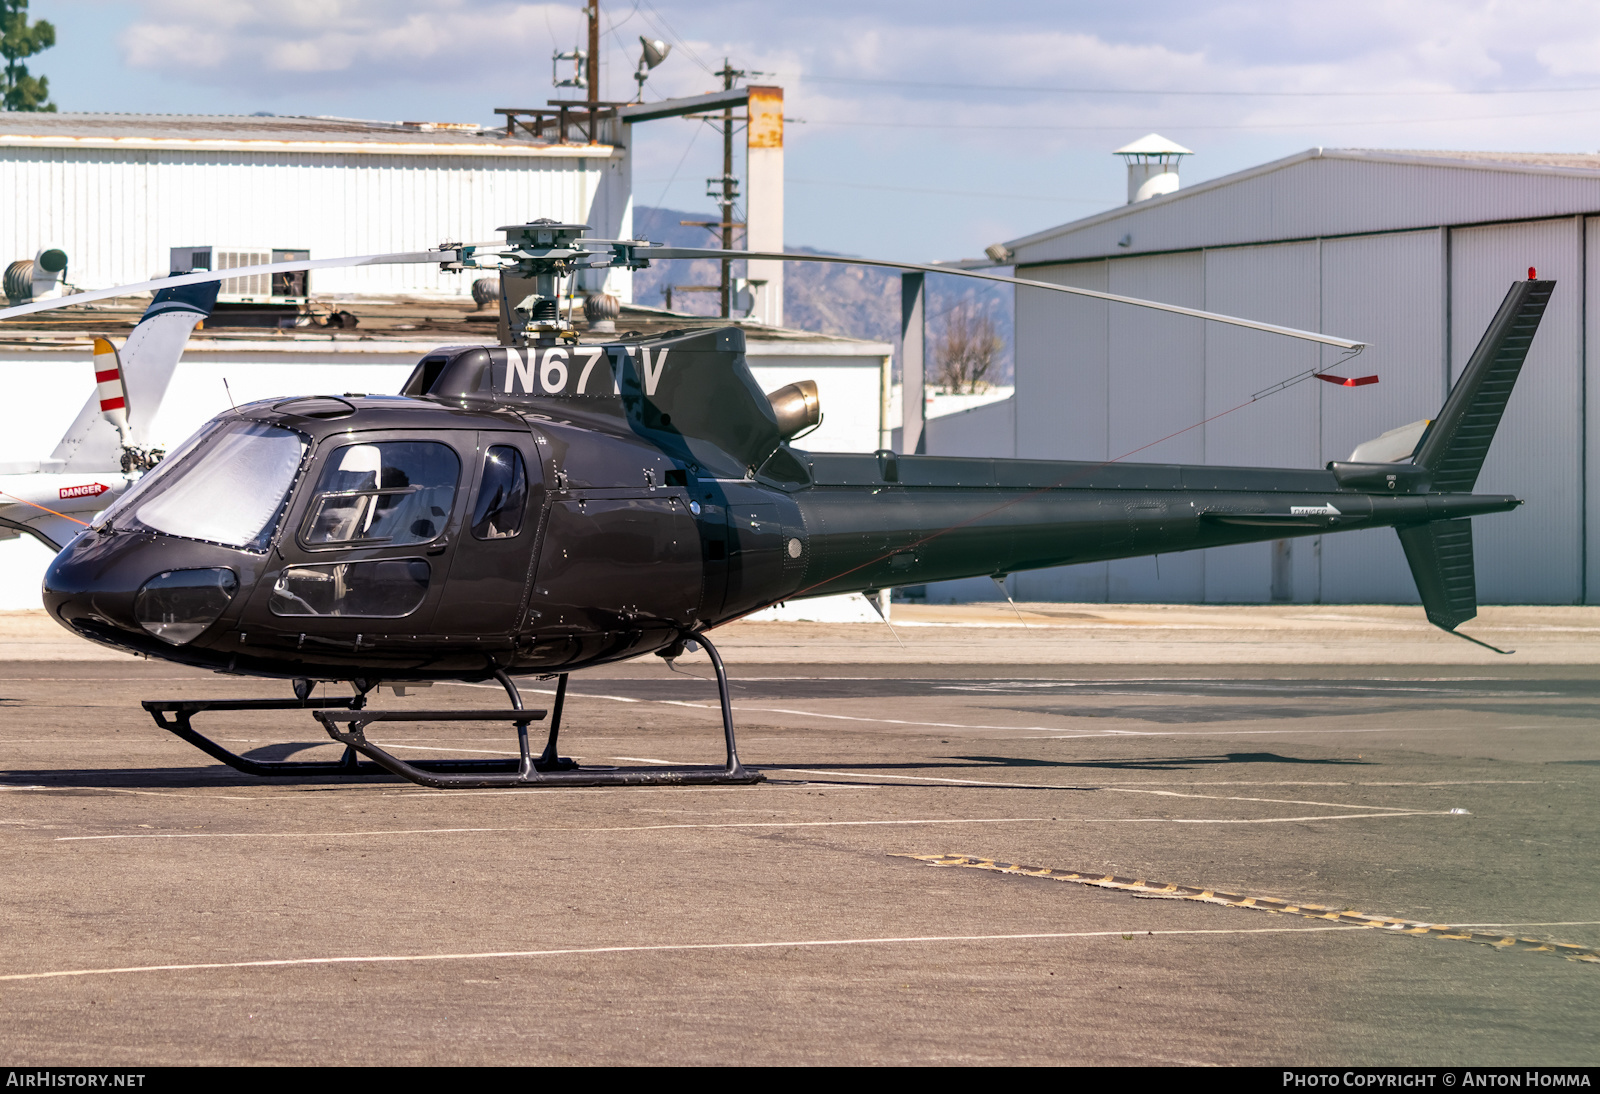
{"x":1440,"y":555}
{"x":1455,"y":447}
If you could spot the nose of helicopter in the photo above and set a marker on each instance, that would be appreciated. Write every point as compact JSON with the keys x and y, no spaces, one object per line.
{"x":138,"y":592}
{"x":90,"y":588}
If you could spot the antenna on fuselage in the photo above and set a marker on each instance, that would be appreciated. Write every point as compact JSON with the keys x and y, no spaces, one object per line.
{"x":871,"y":597}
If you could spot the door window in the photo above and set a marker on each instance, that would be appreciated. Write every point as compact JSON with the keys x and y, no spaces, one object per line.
{"x":502,"y":495}
{"x":390,"y":492}
{"x":386,"y":588}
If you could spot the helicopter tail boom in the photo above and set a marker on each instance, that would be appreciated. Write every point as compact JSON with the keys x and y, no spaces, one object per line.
{"x":888,"y":521}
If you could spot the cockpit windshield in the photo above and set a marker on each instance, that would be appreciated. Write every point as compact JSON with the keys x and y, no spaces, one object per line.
{"x":227,"y":485}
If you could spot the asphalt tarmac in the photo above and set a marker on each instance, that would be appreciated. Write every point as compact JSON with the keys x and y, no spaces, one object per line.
{"x":159,"y":908}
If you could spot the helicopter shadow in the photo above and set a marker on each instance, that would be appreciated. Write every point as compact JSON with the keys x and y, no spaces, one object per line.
{"x":1172,"y":763}
{"x":194,"y":777}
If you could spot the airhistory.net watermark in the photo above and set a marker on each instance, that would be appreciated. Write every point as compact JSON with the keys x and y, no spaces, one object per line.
{"x":53,"y":1078}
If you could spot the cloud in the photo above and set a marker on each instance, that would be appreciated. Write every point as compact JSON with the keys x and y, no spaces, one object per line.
{"x":343,"y":43}
{"x":888,"y":73}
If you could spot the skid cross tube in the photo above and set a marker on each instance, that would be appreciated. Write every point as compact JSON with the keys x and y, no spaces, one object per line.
{"x":548,"y":769}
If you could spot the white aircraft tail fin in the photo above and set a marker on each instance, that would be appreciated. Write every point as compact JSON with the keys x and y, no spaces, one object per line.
{"x":148,"y":359}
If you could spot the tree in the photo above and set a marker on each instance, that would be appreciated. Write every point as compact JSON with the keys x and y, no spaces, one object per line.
{"x":20,"y":39}
{"x":967,"y":349}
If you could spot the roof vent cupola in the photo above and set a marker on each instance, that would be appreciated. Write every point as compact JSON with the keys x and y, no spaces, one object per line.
{"x":1152,"y":166}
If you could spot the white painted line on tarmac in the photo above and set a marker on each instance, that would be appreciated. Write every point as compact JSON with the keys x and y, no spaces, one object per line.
{"x":411,"y":793}
{"x":436,"y":748}
{"x":1264,"y":820}
{"x":283,"y":835}
{"x":1391,"y":810}
{"x":139,"y":793}
{"x":1035,"y":733}
{"x":772,"y":710}
{"x":579,"y":951}
{"x":610,"y":828}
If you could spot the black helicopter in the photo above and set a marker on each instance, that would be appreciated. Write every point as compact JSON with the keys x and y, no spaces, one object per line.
{"x":548,"y":505}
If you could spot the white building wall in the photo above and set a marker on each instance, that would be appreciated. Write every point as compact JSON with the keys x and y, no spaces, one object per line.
{"x":1063,"y":398}
{"x":1157,"y":379}
{"x":117,"y":212}
{"x":1274,"y":284}
{"x":848,"y":388}
{"x":987,"y":431}
{"x":1388,"y":290}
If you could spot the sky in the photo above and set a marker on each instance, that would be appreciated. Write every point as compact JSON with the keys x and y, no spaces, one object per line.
{"x":919,"y":131}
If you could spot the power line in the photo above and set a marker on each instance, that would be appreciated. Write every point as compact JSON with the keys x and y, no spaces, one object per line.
{"x":1177,"y":125}
{"x":686,"y":150}
{"x":950,"y":193}
{"x":659,"y":21}
{"x":1033,"y":89}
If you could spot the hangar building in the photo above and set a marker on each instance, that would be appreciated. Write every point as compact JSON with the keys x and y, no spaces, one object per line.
{"x":118,"y":191}
{"x":1410,"y":251}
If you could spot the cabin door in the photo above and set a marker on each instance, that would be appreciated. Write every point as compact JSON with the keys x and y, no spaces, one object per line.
{"x":490,"y":561}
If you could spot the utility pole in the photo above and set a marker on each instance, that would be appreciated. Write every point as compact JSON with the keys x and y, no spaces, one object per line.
{"x":592,"y":9}
{"x":729,"y":187}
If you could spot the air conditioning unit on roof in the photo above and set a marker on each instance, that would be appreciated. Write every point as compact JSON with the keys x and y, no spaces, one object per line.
{"x":278,"y":288}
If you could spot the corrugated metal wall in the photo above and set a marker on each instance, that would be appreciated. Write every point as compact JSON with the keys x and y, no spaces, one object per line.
{"x":1062,"y":402}
{"x":1276,"y":284}
{"x":1390,"y":291}
{"x":1157,"y":377}
{"x":1096,"y":381}
{"x":116,"y":213}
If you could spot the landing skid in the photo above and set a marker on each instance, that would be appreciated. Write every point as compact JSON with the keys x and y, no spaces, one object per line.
{"x":346,"y":721}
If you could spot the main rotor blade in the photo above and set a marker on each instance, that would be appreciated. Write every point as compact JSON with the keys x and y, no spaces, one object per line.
{"x":400,"y":258}
{"x":1270,"y":328}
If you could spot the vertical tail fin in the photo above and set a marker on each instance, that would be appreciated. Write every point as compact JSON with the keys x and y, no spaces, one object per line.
{"x":1453,"y":450}
{"x":1441,"y":563}
{"x":1457,"y":442}
{"x":149,"y":357}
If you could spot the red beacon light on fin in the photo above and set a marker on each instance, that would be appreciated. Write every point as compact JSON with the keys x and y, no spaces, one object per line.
{"x":1533,"y":274}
